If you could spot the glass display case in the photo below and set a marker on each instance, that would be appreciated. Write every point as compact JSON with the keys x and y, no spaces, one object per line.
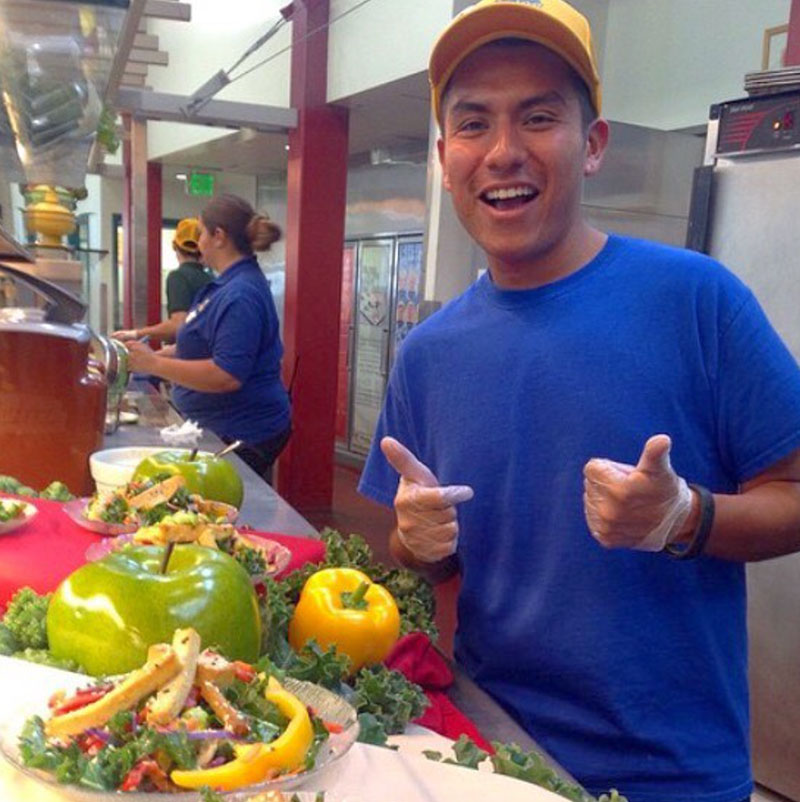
{"x":56,"y":59}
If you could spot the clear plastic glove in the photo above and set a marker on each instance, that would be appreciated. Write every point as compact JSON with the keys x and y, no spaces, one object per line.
{"x":636,"y":507}
{"x":427,"y":524}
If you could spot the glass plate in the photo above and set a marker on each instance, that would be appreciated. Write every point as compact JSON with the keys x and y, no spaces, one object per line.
{"x":76,"y":509}
{"x":325,"y":703}
{"x":277,"y":555}
{"x":15,"y":523}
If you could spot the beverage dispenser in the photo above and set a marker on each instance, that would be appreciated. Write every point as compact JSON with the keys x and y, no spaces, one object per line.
{"x":53,"y":390}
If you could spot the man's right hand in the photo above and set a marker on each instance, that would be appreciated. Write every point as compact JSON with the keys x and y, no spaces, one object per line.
{"x":426,"y":515}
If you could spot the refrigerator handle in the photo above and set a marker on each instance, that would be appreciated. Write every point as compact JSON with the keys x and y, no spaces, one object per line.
{"x":700,"y":209}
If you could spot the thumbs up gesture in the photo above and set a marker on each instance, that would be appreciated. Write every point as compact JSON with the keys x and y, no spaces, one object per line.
{"x":427,"y":524}
{"x":640,"y":506}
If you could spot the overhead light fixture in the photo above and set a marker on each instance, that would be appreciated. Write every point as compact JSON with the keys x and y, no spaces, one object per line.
{"x":286,"y":147}
{"x":180,"y":176}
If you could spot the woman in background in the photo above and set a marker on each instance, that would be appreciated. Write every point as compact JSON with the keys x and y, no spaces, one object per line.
{"x":226,"y":363}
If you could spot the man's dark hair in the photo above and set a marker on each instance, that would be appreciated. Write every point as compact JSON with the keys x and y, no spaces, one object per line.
{"x":588,"y":113}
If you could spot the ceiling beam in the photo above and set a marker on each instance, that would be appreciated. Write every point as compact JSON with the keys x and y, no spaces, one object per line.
{"x":221,"y":113}
{"x":134,"y":81}
{"x":135,"y":69}
{"x":145,"y":41}
{"x":168,"y":9}
{"x":159,"y":57}
{"x":130,"y":27}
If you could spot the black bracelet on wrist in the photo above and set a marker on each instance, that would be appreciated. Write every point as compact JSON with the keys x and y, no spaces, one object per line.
{"x":694,"y":548}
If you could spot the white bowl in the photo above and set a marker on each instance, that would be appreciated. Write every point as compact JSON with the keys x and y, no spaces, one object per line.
{"x":114,"y":467}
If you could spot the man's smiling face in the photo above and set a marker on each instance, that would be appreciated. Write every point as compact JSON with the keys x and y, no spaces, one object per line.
{"x":514,"y":152}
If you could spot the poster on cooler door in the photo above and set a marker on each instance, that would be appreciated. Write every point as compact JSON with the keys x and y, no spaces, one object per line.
{"x":371,"y":339}
{"x":409,"y":279}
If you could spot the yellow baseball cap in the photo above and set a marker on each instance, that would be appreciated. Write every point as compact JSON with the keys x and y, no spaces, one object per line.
{"x":552,"y":23}
{"x":187,"y":234}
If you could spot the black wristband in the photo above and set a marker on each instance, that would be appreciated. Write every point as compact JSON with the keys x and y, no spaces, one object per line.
{"x":700,"y":535}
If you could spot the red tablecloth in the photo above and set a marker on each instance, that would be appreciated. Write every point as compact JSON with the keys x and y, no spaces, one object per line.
{"x":51,"y":546}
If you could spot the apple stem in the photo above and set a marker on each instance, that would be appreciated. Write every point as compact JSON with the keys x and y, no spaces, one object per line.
{"x":165,"y":559}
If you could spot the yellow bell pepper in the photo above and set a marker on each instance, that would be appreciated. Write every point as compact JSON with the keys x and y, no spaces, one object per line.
{"x":255,"y":762}
{"x":341,"y":607}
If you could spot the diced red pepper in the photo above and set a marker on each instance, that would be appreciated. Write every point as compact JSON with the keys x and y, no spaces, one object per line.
{"x":149,"y":769}
{"x":243,"y":671}
{"x":133,"y":777}
{"x":332,"y":727}
{"x":81,"y":699}
{"x":90,"y":744}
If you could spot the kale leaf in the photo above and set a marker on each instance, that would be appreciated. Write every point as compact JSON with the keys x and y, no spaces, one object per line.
{"x":389,"y":696}
{"x":25,"y":618}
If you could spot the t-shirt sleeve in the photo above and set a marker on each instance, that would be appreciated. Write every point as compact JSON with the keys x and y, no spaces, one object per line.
{"x":237,"y":336}
{"x":759,"y":393}
{"x":179,"y":293}
{"x":379,"y":480}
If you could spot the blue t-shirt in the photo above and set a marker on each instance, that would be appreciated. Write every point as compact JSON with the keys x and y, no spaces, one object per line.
{"x":628,"y":667}
{"x":233,"y":321}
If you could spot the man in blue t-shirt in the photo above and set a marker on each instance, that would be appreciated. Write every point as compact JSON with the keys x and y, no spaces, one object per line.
{"x":596,"y":436}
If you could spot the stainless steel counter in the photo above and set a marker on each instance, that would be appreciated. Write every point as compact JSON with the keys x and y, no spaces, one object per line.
{"x":263,"y":508}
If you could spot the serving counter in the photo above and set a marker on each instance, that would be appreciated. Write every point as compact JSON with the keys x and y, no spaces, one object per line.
{"x":263,"y":508}
{"x":366,"y":773}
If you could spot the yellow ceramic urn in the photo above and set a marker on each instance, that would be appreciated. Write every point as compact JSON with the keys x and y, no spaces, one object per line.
{"x":46,"y":217}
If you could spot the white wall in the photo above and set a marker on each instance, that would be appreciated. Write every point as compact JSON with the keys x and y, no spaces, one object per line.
{"x":666,"y":62}
{"x":380,"y":42}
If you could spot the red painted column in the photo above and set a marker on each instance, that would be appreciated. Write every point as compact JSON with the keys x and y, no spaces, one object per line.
{"x":792,"y":55}
{"x":127,"y":239}
{"x":317,"y":183}
{"x":154,"y":216}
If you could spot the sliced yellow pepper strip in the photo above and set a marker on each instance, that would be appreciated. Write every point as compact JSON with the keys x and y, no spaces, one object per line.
{"x":365,"y":631}
{"x":254,"y":762}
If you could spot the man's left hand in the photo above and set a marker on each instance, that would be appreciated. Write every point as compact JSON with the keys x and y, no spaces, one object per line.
{"x":642,"y":506}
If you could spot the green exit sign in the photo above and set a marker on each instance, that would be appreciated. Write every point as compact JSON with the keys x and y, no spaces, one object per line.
{"x":200,"y":184}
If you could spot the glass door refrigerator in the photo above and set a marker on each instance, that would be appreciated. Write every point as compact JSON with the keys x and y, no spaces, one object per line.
{"x":381,"y":292}
{"x":744,"y":213}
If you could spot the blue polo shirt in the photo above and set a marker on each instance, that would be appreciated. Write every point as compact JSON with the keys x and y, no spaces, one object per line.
{"x":234,"y":322}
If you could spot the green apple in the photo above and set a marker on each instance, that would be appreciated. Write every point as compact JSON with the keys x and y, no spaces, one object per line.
{"x":106,"y":613}
{"x":209,"y":476}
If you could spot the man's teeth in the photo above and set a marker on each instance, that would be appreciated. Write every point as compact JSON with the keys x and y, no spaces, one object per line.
{"x":507,"y":194}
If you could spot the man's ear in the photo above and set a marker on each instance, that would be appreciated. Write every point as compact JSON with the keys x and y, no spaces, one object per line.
{"x":596,"y":144}
{"x":440,"y":149}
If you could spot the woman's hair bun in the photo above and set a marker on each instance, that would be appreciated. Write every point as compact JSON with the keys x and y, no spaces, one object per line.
{"x":262,"y":232}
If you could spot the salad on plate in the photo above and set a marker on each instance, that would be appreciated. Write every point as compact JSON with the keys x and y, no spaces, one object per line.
{"x":187,"y":720}
{"x":14,"y":513}
{"x":260,"y":556}
{"x":144,"y":503}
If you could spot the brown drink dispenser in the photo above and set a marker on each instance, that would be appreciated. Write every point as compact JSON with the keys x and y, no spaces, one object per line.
{"x":52,"y":392}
